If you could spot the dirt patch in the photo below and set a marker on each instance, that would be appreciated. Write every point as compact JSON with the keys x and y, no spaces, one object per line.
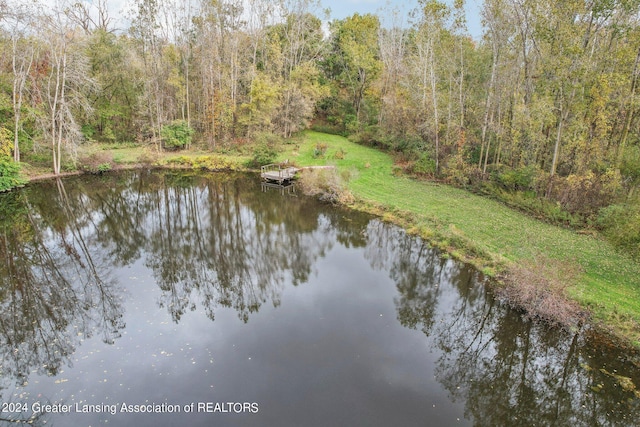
{"x":49,"y":175}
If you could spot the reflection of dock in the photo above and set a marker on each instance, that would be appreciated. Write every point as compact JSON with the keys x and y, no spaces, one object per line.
{"x":278,"y":174}
{"x":288,"y":188}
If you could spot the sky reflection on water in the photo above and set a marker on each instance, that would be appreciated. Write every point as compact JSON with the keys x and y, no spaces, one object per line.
{"x":165,"y":288}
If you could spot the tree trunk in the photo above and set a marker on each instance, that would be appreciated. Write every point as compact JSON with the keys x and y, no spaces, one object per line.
{"x":434,"y":100}
{"x":20,"y":75}
{"x":629,"y":113}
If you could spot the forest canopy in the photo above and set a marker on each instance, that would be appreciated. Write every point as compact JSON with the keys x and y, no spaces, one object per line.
{"x":542,"y":111}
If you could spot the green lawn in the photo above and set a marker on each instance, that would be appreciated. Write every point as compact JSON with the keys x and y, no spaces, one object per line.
{"x":609,"y":282}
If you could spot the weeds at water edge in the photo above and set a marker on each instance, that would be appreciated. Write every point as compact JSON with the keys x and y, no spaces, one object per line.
{"x":539,"y":288}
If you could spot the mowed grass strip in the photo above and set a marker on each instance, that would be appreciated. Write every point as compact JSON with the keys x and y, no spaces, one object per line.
{"x":484,"y":231}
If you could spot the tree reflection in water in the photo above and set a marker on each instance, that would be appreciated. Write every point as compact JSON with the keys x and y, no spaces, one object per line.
{"x":54,"y":291}
{"x":213,"y":243}
{"x":209,"y":242}
{"x":507,"y":370}
{"x":219,"y":242}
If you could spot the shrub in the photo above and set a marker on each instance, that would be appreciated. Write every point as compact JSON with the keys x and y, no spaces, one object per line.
{"x":97,"y":162}
{"x":585,"y":194}
{"x":621,"y":225}
{"x":88,"y":131}
{"x":539,"y":288}
{"x":425,"y":165}
{"x":213,"y":163}
{"x":6,"y":142}
{"x":263,"y":154}
{"x":176,"y":135}
{"x":147,"y":158}
{"x":9,"y":174}
{"x":265,"y":149}
{"x":268,"y":138}
{"x":630,"y":165}
{"x":320,"y":150}
{"x":104,"y":167}
{"x":461,"y":173}
{"x":547,"y":210}
{"x":180,"y":161}
{"x":325,"y":184}
{"x":515,"y":179}
{"x":339,"y":155}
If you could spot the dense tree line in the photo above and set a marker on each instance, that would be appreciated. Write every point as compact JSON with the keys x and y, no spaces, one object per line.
{"x":544,"y":107}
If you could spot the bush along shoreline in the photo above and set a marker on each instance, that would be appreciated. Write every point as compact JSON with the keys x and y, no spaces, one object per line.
{"x":10,"y":174}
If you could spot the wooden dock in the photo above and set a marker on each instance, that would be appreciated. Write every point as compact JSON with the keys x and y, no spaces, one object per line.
{"x":276,"y":173}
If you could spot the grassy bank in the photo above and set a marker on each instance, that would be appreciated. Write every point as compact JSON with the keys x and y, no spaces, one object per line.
{"x":533,"y":259}
{"x":494,"y":237}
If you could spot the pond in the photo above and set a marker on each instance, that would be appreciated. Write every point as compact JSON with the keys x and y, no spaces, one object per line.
{"x":149,"y":298}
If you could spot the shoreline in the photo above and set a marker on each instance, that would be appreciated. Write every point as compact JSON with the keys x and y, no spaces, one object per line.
{"x":561,"y":277}
{"x":522,"y":285}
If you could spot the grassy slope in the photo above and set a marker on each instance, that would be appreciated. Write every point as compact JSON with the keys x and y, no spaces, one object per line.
{"x":609,"y":283}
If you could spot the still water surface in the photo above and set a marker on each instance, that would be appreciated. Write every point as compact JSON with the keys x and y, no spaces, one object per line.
{"x":159,"y":298}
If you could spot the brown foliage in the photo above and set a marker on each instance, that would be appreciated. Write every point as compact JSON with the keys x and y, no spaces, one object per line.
{"x":539,"y":289}
{"x":96,"y":162}
{"x":584,"y":194}
{"x":326,"y":184}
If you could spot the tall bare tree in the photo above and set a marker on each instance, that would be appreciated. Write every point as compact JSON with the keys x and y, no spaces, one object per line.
{"x":63,"y":89}
{"x":432,"y":25}
{"x":23,"y":52}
